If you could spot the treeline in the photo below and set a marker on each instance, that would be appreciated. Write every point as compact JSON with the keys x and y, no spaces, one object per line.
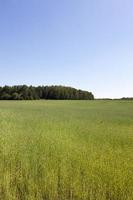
{"x":123,"y":98}
{"x":24,"y":92}
{"x":127,"y":98}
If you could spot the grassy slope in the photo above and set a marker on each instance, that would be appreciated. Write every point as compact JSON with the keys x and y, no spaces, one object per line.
{"x":63,"y":150}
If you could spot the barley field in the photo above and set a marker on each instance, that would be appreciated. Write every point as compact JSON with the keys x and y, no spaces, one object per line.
{"x":66,"y":150}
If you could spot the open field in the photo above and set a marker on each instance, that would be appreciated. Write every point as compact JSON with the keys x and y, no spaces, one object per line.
{"x":66,"y":150}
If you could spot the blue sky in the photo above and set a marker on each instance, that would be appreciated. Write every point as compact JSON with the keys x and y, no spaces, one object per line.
{"x":86,"y":44}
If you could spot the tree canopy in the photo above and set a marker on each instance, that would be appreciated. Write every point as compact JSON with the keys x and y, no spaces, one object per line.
{"x":24,"y":92}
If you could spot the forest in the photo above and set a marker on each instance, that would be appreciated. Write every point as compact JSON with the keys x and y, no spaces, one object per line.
{"x":24,"y":92}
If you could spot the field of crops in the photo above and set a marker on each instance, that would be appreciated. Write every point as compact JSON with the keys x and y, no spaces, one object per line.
{"x":66,"y":150}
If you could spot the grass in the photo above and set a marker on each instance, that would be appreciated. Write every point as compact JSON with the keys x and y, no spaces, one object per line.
{"x":66,"y":150}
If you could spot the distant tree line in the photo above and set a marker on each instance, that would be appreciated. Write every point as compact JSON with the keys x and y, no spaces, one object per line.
{"x":104,"y":99}
{"x":24,"y":92}
{"x":127,"y":98}
{"x":123,"y":98}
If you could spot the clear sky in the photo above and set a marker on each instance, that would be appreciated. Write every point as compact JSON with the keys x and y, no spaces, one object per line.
{"x":86,"y":44}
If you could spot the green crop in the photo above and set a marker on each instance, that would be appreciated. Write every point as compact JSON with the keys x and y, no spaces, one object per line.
{"x":66,"y":150}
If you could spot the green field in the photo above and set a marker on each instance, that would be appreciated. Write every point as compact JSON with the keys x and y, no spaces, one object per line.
{"x":66,"y":150}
